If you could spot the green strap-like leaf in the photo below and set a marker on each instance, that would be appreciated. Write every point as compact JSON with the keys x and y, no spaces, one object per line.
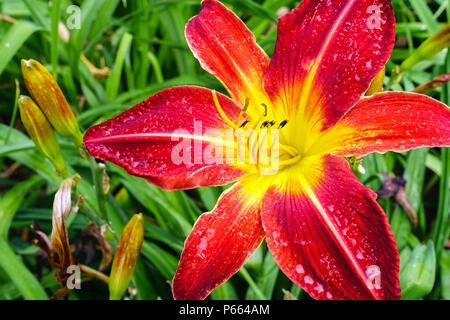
{"x":12,"y":200}
{"x":13,"y":40}
{"x":24,"y":280}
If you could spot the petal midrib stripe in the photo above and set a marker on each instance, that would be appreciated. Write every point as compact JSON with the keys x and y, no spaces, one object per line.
{"x":142,"y":137}
{"x":337,"y":235}
{"x":324,"y":47}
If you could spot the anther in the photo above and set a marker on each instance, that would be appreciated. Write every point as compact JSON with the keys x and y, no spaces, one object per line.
{"x":247,"y":103}
{"x":282,"y":124}
{"x":265,"y":109}
{"x":244,"y":124}
{"x":265,"y":124}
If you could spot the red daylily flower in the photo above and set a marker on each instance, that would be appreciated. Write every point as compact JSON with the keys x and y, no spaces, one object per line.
{"x":323,"y":227}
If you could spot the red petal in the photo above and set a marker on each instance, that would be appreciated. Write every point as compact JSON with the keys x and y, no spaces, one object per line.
{"x":219,"y":244}
{"x":227,"y":49}
{"x":326,"y":56}
{"x":390,"y":121}
{"x":329,"y":235}
{"x":142,"y":139}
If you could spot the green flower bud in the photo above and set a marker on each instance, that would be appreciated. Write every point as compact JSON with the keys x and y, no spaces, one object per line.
{"x":126,"y":257}
{"x":41,"y":133}
{"x":377,"y":83}
{"x":48,"y":95}
{"x":432,"y":46}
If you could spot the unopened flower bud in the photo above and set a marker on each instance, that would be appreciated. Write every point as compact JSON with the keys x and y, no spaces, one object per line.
{"x":41,"y":133}
{"x":126,"y":257}
{"x":48,"y":95}
{"x":430,"y":47}
{"x":377,"y":83}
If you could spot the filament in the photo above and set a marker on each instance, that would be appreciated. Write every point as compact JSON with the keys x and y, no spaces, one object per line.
{"x":292,"y":151}
{"x":247,"y":103}
{"x":221,"y":112}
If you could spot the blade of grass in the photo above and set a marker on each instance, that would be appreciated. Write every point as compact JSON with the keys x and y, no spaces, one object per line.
{"x":113,"y":82}
{"x":163,"y":261}
{"x":247,"y":277}
{"x":37,"y":162}
{"x":153,"y":199}
{"x":209,"y":196}
{"x":56,"y":6}
{"x":267,"y":278}
{"x":38,"y":13}
{"x":12,"y":199}
{"x":143,"y":286}
{"x":14,"y":115}
{"x":90,"y":9}
{"x":156,"y":67}
{"x":253,"y":8}
{"x":173,"y":27}
{"x":142,"y":47}
{"x":13,"y":118}
{"x":26,"y":282}
{"x":425,"y":15}
{"x":415,"y":176}
{"x":13,"y":40}
{"x":445,"y":274}
{"x":439,"y":233}
{"x":225,"y":291}
{"x":4,"y":151}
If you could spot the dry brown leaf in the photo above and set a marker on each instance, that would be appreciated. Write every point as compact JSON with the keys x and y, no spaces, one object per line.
{"x":395,"y":187}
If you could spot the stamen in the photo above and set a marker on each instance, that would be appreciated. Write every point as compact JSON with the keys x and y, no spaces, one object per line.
{"x":282,"y":124}
{"x":292,"y":151}
{"x":255,"y":126}
{"x":252,"y":134}
{"x":220,"y":110}
{"x":244,"y":123}
{"x":267,"y":138}
{"x":265,"y":124}
{"x":265,"y":109}
{"x":247,"y":103}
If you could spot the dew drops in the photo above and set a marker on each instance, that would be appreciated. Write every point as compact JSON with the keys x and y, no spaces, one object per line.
{"x":359,"y":255}
{"x":319,"y":288}
{"x":309,"y":280}
{"x":299,"y":269}
{"x":203,"y":244}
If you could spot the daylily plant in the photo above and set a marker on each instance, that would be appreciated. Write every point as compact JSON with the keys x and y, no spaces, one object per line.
{"x":323,"y":227}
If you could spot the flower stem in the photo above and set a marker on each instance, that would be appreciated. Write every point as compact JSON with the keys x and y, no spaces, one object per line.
{"x":97,"y":177}
{"x":91,"y":215}
{"x":94,"y":273}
